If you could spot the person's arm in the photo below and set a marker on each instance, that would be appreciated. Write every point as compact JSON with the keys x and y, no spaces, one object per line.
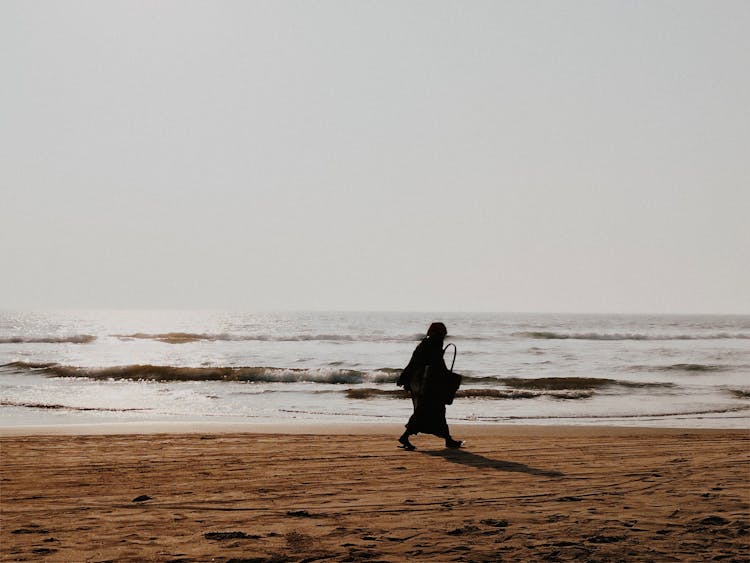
{"x":437,"y":361}
{"x":416,"y":360}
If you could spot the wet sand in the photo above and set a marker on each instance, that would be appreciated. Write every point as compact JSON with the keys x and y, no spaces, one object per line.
{"x":513,"y":494}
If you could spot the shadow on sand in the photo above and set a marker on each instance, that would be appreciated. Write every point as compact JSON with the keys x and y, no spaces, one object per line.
{"x":464,"y":457}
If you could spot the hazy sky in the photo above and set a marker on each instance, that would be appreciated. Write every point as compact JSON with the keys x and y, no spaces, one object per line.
{"x":576,"y":156}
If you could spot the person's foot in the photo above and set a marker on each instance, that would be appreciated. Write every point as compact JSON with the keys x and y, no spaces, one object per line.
{"x":406,"y":444}
{"x":454,"y":444}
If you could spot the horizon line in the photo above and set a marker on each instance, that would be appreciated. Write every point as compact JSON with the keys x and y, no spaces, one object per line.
{"x":363,"y":311}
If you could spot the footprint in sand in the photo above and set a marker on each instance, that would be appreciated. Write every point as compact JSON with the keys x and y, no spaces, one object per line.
{"x":229,"y":536}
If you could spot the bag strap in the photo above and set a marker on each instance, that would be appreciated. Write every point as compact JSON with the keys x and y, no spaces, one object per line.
{"x":454,"y":353}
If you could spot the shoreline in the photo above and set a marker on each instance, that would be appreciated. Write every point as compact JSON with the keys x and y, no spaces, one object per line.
{"x":340,"y":429}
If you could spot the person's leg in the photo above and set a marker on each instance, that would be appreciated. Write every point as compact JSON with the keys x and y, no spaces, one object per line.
{"x":404,"y":441}
{"x":442,"y":429}
{"x":451,"y":443}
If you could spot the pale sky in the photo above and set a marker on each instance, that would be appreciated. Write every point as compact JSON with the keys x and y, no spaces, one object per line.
{"x":559,"y":156}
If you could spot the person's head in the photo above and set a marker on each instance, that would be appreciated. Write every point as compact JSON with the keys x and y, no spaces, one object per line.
{"x":437,"y":330}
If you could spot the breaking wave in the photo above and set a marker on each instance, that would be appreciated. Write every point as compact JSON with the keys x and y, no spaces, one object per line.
{"x":73,"y":339}
{"x":544,"y":335}
{"x":255,"y":374}
{"x":330,"y":375}
{"x":185,"y":337}
{"x":324,"y":375}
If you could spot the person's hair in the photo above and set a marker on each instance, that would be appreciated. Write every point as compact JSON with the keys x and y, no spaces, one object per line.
{"x":437,"y":329}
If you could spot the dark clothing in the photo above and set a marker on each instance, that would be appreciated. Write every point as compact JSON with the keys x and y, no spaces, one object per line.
{"x":424,"y":377}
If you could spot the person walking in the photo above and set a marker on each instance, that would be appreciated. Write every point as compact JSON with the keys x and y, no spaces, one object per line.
{"x":426,"y":378}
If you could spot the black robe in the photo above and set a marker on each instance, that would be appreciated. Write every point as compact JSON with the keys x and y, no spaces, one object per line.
{"x":424,"y":377}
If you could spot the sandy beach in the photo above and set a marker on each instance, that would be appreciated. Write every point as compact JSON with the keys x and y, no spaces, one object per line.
{"x":342,"y":494}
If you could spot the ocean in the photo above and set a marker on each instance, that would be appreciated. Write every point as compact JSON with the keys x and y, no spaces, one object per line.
{"x":91,"y":367}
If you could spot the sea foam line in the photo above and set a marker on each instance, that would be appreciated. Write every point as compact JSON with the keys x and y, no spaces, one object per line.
{"x":72,"y":339}
{"x":546,"y":335}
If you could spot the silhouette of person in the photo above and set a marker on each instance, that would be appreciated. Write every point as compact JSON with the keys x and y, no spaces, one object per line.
{"x":424,"y":377}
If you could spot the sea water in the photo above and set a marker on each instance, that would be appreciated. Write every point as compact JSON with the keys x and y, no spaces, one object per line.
{"x":68,"y":367}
